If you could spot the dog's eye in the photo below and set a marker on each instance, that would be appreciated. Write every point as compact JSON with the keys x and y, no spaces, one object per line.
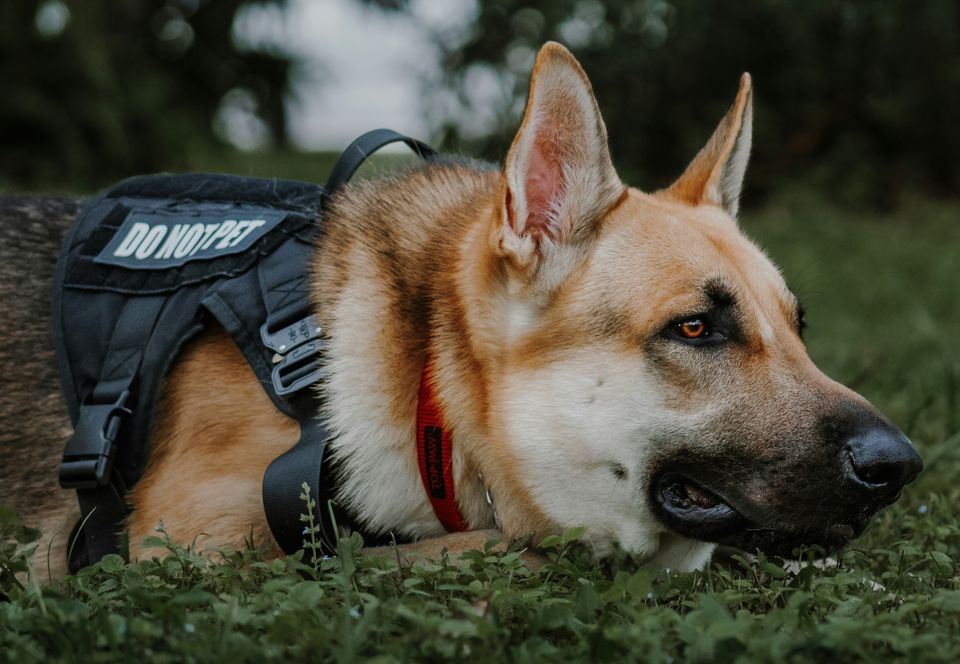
{"x":692,"y":328}
{"x":695,"y":330}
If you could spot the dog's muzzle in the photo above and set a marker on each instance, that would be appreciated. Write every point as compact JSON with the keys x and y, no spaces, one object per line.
{"x":825,"y":503}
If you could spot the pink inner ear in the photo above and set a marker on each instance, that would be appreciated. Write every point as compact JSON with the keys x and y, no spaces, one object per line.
{"x":544,"y":184}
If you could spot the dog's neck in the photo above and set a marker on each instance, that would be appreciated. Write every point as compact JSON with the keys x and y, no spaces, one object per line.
{"x":406,"y":266}
{"x":472,"y":322}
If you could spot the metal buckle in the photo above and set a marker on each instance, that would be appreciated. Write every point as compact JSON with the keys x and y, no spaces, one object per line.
{"x":288,"y":329}
{"x":298,"y":369}
{"x":293,"y":333}
{"x":88,"y":457}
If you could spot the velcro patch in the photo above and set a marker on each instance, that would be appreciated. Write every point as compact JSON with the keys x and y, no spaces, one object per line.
{"x":156,"y":240}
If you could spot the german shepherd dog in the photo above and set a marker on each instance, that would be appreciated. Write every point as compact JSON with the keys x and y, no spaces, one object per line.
{"x":604,"y":357}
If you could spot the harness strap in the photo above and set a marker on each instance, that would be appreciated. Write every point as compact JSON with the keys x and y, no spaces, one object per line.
{"x":365,"y":145}
{"x":295,"y":335}
{"x":285,"y":476}
{"x":88,"y":456}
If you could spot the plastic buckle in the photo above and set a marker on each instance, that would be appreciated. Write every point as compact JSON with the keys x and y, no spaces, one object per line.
{"x":289,"y":329}
{"x":88,"y":457}
{"x":298,"y":369}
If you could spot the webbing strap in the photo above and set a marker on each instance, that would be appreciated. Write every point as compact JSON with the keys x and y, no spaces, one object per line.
{"x":357,"y":152}
{"x":284,"y":278}
{"x":284,"y":479}
{"x":89,"y":454}
{"x":293,"y":334}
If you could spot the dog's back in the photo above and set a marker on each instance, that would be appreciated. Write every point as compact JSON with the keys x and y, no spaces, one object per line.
{"x":33,"y":420}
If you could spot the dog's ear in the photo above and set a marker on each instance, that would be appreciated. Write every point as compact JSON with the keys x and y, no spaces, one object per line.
{"x":715,"y":176}
{"x":558,"y":179}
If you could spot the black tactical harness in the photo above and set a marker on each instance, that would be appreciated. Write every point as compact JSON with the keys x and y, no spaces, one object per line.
{"x":147,"y":266}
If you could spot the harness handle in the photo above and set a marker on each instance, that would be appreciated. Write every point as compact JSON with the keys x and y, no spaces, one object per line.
{"x":361,"y":148}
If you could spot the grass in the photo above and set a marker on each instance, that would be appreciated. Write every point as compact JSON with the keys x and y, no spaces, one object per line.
{"x":881,"y":294}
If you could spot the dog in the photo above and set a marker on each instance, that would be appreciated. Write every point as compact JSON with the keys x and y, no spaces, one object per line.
{"x":604,"y":357}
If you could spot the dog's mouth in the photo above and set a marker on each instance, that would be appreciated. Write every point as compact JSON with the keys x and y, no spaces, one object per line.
{"x":691,"y":509}
{"x":694,"y":509}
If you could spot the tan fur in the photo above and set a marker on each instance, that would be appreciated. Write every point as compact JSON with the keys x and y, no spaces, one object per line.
{"x":216,"y":433}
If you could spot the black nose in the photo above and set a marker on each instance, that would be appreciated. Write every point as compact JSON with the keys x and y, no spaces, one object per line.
{"x":882,"y":459}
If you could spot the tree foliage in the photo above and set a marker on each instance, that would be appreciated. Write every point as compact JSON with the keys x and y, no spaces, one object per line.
{"x":861,"y":95}
{"x":96,"y":89}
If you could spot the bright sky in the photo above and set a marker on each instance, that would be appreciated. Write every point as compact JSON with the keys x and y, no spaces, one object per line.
{"x":363,"y":68}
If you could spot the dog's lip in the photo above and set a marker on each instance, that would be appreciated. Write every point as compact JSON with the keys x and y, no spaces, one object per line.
{"x":693,"y":509}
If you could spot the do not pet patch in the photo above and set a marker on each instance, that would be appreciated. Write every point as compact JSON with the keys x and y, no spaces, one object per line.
{"x":153,"y":240}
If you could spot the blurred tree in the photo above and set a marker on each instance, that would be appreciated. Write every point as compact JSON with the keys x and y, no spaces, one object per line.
{"x":98,"y":89}
{"x":862,"y":96}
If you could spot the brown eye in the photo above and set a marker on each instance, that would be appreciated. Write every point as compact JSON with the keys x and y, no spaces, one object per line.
{"x":693,"y":328}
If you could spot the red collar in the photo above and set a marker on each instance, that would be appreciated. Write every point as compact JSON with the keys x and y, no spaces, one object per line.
{"x":435,"y":454}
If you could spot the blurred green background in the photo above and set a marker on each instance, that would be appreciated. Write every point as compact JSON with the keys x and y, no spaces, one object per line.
{"x":858,"y":99}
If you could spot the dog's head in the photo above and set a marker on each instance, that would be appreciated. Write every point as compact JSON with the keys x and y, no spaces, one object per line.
{"x":646,"y":366}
